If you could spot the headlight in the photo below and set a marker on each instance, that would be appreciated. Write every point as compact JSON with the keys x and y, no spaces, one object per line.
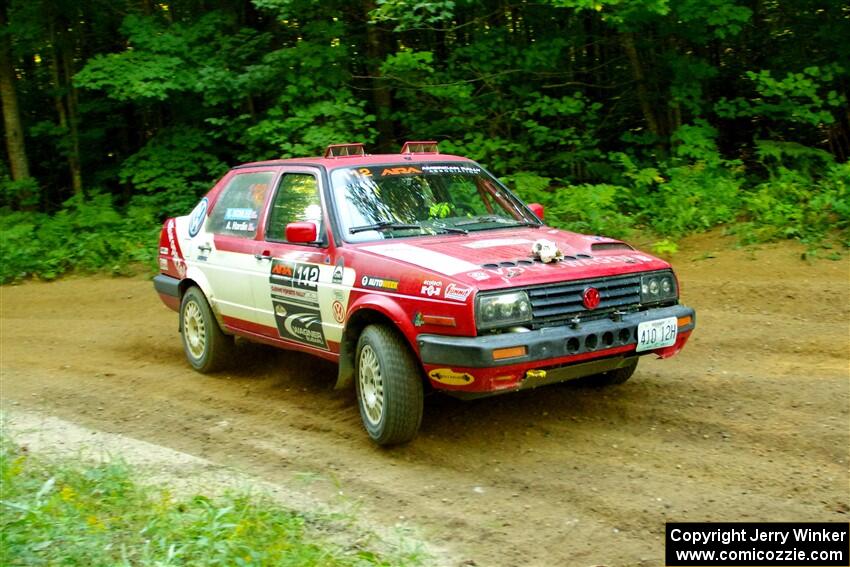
{"x":657,"y":287}
{"x":501,"y":310}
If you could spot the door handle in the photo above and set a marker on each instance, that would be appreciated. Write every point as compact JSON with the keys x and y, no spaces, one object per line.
{"x":266,"y":255}
{"x":205,"y":247}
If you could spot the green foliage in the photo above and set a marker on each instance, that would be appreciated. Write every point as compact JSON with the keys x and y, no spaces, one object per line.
{"x":70,"y":513}
{"x":793,"y":205}
{"x":85,"y":236}
{"x":174,"y":169}
{"x":669,"y":115}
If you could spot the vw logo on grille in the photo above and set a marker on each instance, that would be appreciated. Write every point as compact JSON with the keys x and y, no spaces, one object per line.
{"x":590,"y":298}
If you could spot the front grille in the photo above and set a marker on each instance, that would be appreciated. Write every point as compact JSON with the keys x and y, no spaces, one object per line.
{"x":557,"y":303}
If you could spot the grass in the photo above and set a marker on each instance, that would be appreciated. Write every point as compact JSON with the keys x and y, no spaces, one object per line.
{"x":70,"y":512}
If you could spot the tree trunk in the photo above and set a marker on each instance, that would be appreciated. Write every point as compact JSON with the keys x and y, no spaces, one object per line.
{"x":62,"y":105}
{"x":381,"y":96}
{"x":627,"y":39}
{"x":11,"y":112}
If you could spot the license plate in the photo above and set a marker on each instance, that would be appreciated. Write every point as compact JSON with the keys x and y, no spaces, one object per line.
{"x":657,"y":334}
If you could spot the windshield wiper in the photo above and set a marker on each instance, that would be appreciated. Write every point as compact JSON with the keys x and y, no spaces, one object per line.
{"x":451,"y":229}
{"x":500,"y":220}
{"x":383,"y":225}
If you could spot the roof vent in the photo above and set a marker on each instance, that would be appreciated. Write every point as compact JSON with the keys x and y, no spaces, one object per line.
{"x":345,"y":150}
{"x":429,"y":147}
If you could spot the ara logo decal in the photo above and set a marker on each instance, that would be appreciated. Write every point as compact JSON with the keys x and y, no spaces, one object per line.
{"x":449,"y":377}
{"x":431,"y":288}
{"x":456,"y":292}
{"x":197,"y":217}
{"x":401,"y":171}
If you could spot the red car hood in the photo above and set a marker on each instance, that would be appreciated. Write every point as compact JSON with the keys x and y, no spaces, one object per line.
{"x":501,"y":258}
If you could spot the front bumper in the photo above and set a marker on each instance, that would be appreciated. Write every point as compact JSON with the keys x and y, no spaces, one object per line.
{"x":550,"y":347}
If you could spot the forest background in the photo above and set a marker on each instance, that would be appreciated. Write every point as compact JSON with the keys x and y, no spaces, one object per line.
{"x":661,"y":117}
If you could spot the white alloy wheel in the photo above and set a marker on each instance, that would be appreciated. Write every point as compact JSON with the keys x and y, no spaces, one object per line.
{"x":195,"y":329}
{"x":371,"y":385}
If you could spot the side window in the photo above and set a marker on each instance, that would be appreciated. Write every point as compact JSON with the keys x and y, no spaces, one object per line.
{"x":240,"y":204}
{"x":297,"y":200}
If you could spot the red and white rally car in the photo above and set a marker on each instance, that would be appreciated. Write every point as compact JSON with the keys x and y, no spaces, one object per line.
{"x":407,"y":269}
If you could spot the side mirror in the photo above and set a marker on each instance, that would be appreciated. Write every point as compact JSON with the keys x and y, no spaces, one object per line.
{"x":537,"y":209}
{"x":301,"y":232}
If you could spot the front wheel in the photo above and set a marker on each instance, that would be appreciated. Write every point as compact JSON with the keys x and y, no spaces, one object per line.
{"x":207,"y":348}
{"x":389,"y":386}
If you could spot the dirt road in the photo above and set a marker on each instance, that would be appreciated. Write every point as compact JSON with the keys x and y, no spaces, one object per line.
{"x":750,"y":422}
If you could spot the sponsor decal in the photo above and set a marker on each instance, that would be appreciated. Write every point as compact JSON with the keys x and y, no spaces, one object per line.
{"x":197,"y":217}
{"x":479,"y":275}
{"x":418,"y":321}
{"x":456,"y":292}
{"x":509,"y":272}
{"x":339,"y":270}
{"x":244,"y":214}
{"x":339,"y":311}
{"x":176,"y":252}
{"x":294,"y":274}
{"x":300,"y":324}
{"x":596,"y":260}
{"x":202,"y":258}
{"x":379,"y":283}
{"x":422,"y":257}
{"x":243,"y":226}
{"x":451,"y":169}
{"x":400,"y":171}
{"x":163,"y":264}
{"x":449,"y":377}
{"x":431,"y":288}
{"x":164,"y":250}
{"x":493,"y":242}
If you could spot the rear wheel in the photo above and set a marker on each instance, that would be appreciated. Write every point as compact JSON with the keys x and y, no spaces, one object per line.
{"x":612,"y":377}
{"x":389,"y":386}
{"x":207,"y":348}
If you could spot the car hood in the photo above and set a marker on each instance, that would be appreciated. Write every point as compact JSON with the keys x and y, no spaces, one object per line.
{"x":503,"y":258}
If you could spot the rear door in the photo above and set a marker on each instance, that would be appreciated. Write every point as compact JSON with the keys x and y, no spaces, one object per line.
{"x":225,"y":249}
{"x":301,"y":297}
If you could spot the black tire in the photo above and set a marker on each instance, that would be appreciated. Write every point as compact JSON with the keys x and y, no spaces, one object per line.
{"x":207,"y":348}
{"x":612,"y":377}
{"x":398,"y":384}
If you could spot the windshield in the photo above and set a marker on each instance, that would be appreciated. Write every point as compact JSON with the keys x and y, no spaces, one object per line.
{"x":396,"y":201}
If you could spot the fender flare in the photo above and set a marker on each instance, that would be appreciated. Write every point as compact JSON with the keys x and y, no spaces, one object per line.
{"x":387,"y":308}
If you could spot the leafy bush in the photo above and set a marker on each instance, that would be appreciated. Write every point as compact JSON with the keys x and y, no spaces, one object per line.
{"x":595,"y":209}
{"x":793,"y":205}
{"x":85,"y":236}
